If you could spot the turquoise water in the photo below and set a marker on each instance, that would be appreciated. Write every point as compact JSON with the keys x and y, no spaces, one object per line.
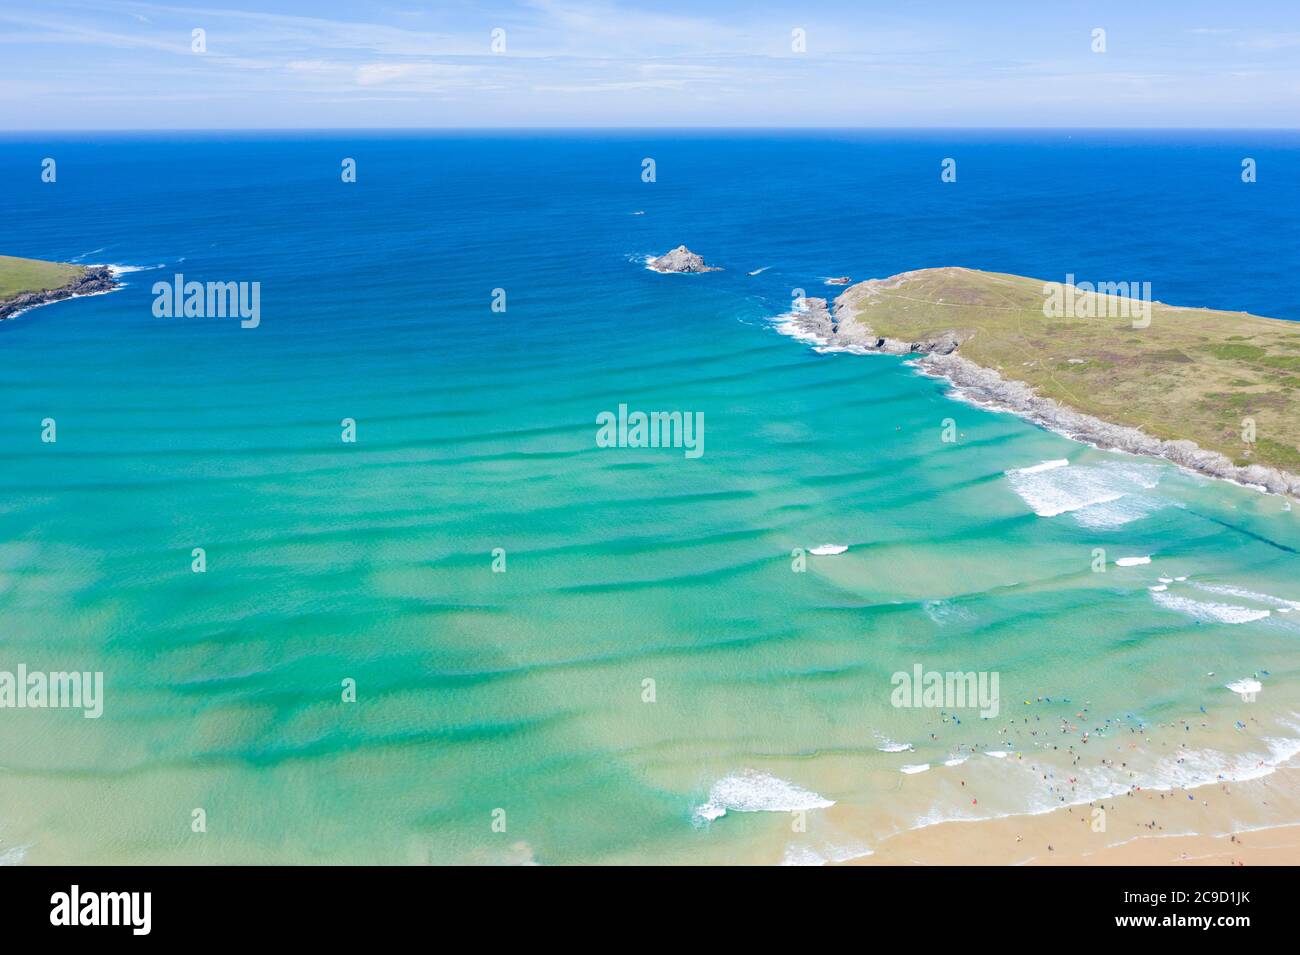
{"x":524,"y":691}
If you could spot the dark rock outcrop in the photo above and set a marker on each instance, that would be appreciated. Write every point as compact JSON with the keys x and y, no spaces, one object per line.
{"x":681,"y":259}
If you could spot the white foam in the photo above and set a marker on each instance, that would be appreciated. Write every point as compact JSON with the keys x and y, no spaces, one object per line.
{"x":1231,"y":591}
{"x":1045,"y":466}
{"x":1246,"y":687}
{"x":996,"y":753}
{"x":1187,"y":769}
{"x":802,"y":855}
{"x":1052,"y":496}
{"x":117,"y":270}
{"x":752,"y":791}
{"x":1204,"y":610}
{"x":786,"y":325}
{"x":1208,"y":766}
{"x":1112,"y":513}
{"x":1104,"y":495}
{"x":1146,"y":476}
{"x":828,"y":550}
{"x":955,"y":760}
{"x":889,"y":746}
{"x":1132,"y":561}
{"x":760,"y":271}
{"x":821,"y":855}
{"x":915,"y":768}
{"x":1158,"y":587}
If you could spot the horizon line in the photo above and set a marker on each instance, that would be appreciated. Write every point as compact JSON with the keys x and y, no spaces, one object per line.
{"x":632,"y":128}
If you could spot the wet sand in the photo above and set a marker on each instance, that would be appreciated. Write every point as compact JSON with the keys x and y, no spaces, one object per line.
{"x":1221,"y":824}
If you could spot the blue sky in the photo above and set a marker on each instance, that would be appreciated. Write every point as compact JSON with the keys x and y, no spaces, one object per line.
{"x":325,"y":63}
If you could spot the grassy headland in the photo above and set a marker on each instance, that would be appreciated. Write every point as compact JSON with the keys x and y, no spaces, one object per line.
{"x":26,"y":283}
{"x":1192,"y":374}
{"x":33,"y":275}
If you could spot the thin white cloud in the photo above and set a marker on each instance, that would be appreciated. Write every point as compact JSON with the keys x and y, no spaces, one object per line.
{"x":1274,"y":41}
{"x":579,"y":62}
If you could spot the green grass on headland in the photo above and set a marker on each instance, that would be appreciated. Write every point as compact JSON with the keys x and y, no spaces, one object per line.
{"x":33,"y":275}
{"x":1193,"y":373}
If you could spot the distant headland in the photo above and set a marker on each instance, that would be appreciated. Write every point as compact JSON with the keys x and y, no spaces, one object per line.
{"x":28,"y":283}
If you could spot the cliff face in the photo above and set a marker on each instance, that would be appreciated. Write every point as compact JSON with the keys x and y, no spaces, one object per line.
{"x":837,"y":327}
{"x":98,"y":278}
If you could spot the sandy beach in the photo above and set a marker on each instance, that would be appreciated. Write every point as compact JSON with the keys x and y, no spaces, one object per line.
{"x":1146,"y":828}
